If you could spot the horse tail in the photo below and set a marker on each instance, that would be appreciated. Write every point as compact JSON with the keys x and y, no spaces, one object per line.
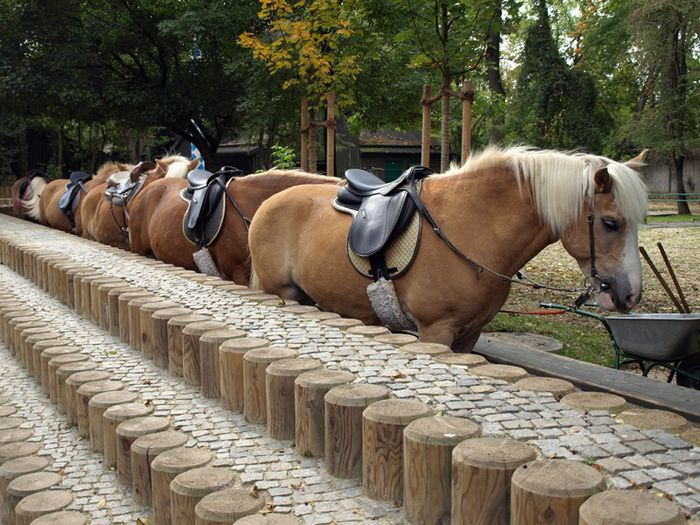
{"x":254,"y":280}
{"x":31,"y":203}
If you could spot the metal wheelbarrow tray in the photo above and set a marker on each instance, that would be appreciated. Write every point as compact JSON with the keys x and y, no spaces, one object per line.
{"x":671,"y":341}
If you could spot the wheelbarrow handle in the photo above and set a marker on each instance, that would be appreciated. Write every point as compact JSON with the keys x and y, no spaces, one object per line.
{"x":584,"y":313}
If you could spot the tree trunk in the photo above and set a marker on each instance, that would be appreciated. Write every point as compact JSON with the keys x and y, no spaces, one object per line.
{"x":493,"y":61}
{"x":677,"y":166}
{"x":445,"y":130}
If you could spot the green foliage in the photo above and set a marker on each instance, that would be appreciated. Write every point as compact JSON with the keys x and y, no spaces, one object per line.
{"x":283,"y":156}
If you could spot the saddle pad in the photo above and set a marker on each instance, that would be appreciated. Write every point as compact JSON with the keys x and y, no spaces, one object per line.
{"x":213,"y":225}
{"x":401,"y":251}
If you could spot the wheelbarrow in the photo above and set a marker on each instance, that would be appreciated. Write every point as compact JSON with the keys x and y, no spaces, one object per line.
{"x":670,"y":341}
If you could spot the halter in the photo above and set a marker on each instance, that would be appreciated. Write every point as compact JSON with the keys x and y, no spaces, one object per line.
{"x":523,"y":280}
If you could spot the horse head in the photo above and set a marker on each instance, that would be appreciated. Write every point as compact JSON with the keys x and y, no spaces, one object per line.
{"x":604,"y":238}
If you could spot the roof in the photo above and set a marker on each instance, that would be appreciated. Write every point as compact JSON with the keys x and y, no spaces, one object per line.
{"x":393,"y":138}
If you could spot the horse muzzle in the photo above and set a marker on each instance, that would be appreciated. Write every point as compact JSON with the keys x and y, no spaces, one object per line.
{"x":618,"y":295}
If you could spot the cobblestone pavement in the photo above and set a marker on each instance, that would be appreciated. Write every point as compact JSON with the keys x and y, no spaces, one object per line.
{"x":630,"y":458}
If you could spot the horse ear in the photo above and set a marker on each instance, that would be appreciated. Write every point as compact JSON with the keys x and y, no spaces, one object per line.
{"x":638,"y":161}
{"x":603,"y":181}
{"x":123,"y":167}
{"x":193,"y":164}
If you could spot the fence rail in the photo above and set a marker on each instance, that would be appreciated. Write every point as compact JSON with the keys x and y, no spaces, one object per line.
{"x":674,"y":197}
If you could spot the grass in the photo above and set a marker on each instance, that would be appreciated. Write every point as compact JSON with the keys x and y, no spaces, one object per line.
{"x":655,"y":219}
{"x":585,"y":339}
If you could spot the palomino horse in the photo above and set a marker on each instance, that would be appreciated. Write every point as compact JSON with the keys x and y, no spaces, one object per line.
{"x":157,"y":214}
{"x":23,"y":188}
{"x":105,"y":222}
{"x":42,"y":204}
{"x":500,"y":209}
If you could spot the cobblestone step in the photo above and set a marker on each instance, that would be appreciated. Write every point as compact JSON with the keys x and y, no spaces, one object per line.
{"x":629,"y":457}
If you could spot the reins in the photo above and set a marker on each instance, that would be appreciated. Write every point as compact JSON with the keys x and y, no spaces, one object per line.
{"x":523,"y":280}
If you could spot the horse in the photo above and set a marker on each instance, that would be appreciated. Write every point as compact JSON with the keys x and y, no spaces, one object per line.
{"x":42,"y":203}
{"x":106,"y":222}
{"x":32,"y":182}
{"x":157,"y":214}
{"x":500,"y":209}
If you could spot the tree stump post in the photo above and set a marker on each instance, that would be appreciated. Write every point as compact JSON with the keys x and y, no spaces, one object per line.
{"x":46,"y":356}
{"x":77,"y":296}
{"x":231,"y":370}
{"x":62,"y":375}
{"x":53,"y":365}
{"x":34,"y":348}
{"x":175,"y":341}
{"x":146,"y":324}
{"x":134,"y":313}
{"x":427,"y":468}
{"x":129,"y":431}
{"x":143,"y":451}
{"x":40,"y":503}
{"x":111,"y":419}
{"x":481,"y":472}
{"x":97,"y":309}
{"x":86,"y":392}
{"x":188,"y":488}
{"x":159,"y":343}
{"x":383,"y":424}
{"x":165,"y":468}
{"x":343,"y":407}
{"x":113,"y":307}
{"x":96,"y":408}
{"x":310,"y":389}
{"x":73,"y":383}
{"x":191,"y":359}
{"x":17,"y":449}
{"x":279,"y":394}
{"x":70,"y":285}
{"x":103,"y":301}
{"x":12,"y":469}
{"x":64,"y":517}
{"x":227,"y":506}
{"x":629,"y":507}
{"x":255,"y":362}
{"x":25,"y":485}
{"x":554,"y":488}
{"x":209,"y":371}
{"x":123,"y":306}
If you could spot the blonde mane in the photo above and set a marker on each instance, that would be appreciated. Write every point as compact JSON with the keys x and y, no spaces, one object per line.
{"x":559,"y":183}
{"x":177,"y":166}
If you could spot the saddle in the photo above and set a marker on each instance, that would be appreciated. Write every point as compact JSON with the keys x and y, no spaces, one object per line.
{"x":68,"y":202}
{"x":206,"y":206}
{"x":383,"y":211}
{"x":124,"y":185}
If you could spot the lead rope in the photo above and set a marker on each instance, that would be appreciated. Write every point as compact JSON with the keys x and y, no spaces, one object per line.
{"x":479,"y":268}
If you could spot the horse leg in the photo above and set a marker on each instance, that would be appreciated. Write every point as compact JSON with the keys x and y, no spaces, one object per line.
{"x":442,"y":332}
{"x":465,"y":342}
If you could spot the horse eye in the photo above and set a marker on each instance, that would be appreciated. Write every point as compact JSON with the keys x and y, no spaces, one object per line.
{"x":611,"y":225}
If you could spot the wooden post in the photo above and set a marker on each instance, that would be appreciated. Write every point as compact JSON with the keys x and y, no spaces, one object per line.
{"x":85,"y":296}
{"x":127,"y":432}
{"x":45,"y":502}
{"x":629,"y":507}
{"x":427,"y":468}
{"x":330,"y":135}
{"x":62,"y":375}
{"x":175,"y":342}
{"x":97,"y":309}
{"x":134,"y":313}
{"x":73,"y":383}
{"x":27,"y":484}
{"x":209,"y":372}
{"x":46,"y":356}
{"x":467,"y":97}
{"x":343,"y":407}
{"x":54,"y":364}
{"x":103,"y":301}
{"x":123,"y":316}
{"x":96,"y":408}
{"x":481,"y":472}
{"x":255,"y":362}
{"x":191,"y":368}
{"x":383,"y":424}
{"x":113,"y":307}
{"x":310,"y":389}
{"x":38,"y":349}
{"x":165,"y":468}
{"x":14,"y":435}
{"x":188,"y":488}
{"x":313,"y":164}
{"x":18,"y":449}
{"x":77,"y":288}
{"x":425,"y":137}
{"x":64,"y":517}
{"x":146,"y":325}
{"x":227,"y":506}
{"x":111,"y":419}
{"x":70,"y":285}
{"x":231,"y":370}
{"x":279,"y":394}
{"x":32,"y":356}
{"x":86,"y":392}
{"x":143,"y":451}
{"x":13,"y":469}
{"x":555,"y":488}
{"x":304,"y":153}
{"x":18,"y":329}
{"x":159,"y":343}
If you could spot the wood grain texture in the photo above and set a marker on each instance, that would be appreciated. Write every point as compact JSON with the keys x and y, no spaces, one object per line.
{"x":134,"y":315}
{"x":175,"y":350}
{"x":40,"y":503}
{"x":123,"y":302}
{"x":146,"y":312}
{"x":111,"y":418}
{"x":629,"y":507}
{"x":482,"y":469}
{"x":12,"y":469}
{"x":143,"y":451}
{"x":113,"y":308}
{"x":310,"y":389}
{"x":85,"y":393}
{"x":46,"y":356}
{"x":96,"y":408}
{"x":129,"y":431}
{"x":187,"y":490}
{"x":191,"y":359}
{"x":231,"y":370}
{"x":255,"y":362}
{"x":62,"y":375}
{"x":159,"y":325}
{"x":551,"y":491}
{"x":227,"y":506}
{"x":209,"y":370}
{"x":73,"y":383}
{"x":52,"y":369}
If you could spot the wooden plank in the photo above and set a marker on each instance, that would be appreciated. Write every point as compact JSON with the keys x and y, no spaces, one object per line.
{"x":635,"y":388}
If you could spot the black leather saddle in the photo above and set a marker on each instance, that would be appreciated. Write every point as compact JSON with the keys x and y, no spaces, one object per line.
{"x":70,"y":198}
{"x":383,"y":209}
{"x":204,"y":194}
